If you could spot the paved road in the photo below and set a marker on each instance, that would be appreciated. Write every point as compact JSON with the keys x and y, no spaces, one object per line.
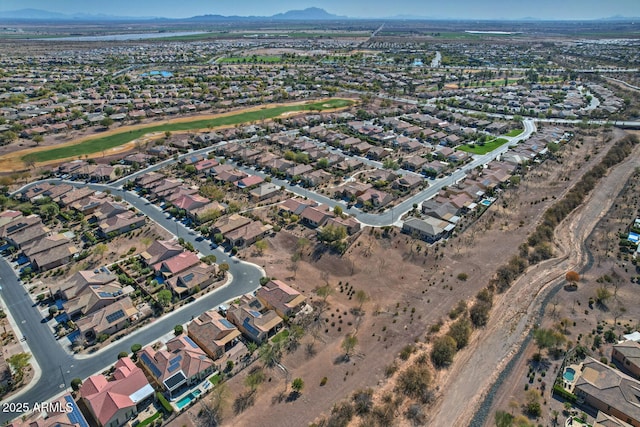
{"x":55,"y":362}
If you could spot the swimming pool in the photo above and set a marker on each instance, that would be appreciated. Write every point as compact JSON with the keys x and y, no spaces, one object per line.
{"x":486,"y":202}
{"x":187,"y":399}
{"x":569,"y":374}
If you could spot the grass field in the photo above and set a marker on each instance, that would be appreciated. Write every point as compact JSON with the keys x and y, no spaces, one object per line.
{"x":99,"y":144}
{"x":483,"y":149}
{"x":514,"y":132}
{"x":254,"y":59}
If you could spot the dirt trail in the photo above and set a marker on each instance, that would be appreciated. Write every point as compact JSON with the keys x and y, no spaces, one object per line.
{"x":476,"y":368}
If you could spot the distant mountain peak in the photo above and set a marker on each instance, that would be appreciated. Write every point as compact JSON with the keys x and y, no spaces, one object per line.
{"x":310,"y":13}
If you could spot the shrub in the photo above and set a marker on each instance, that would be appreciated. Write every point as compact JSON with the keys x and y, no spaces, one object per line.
{"x":178,"y":329}
{"x":136,"y":348}
{"x":407,"y":351}
{"x":463,"y":276}
{"x":444,"y":348}
{"x":122,"y":354}
{"x":323,"y":381}
{"x":460,"y":331}
{"x":76,"y":383}
{"x":164,"y":403}
{"x":415,"y":382}
{"x":103,"y":337}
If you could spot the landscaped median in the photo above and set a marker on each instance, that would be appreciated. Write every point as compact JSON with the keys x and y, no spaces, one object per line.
{"x":115,"y":139}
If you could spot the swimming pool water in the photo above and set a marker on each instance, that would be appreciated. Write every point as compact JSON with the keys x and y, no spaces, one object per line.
{"x":187,"y":399}
{"x":569,"y":374}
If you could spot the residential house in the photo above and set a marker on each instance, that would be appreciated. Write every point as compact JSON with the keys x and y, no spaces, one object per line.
{"x":375,"y":197}
{"x":193,"y":279}
{"x":627,"y":354}
{"x":53,"y":257}
{"x":278,"y":296}
{"x":296,"y":206}
{"x":181,"y":364}
{"x":350,"y":224}
{"x":264,"y":192}
{"x":608,"y":390}
{"x":229,"y":223}
{"x":247,"y":234}
{"x":112,"y":403}
{"x":444,"y":211}
{"x":414,"y":163}
{"x":176,"y":264}
{"x":213,"y":333}
{"x":109,"y":320}
{"x":250,"y":181}
{"x":161,"y":250}
{"x":94,"y":298}
{"x":429,"y":229}
{"x":77,"y":283}
{"x":121,"y":223}
{"x":254,"y":320}
{"x":63,"y":412}
{"x":315,"y":216}
{"x":408,"y":182}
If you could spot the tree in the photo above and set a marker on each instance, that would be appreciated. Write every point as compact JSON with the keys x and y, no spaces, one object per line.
{"x":572,"y":277}
{"x":212,"y":409}
{"x":224,"y":267}
{"x":100,"y":249}
{"x":460,"y":331}
{"x":136,"y":348}
{"x":178,"y":330}
{"x":76,"y":383}
{"x":53,"y":310}
{"x":297,"y":385}
{"x":504,"y":419}
{"x":261,"y":245}
{"x":255,"y":378}
{"x":602,"y":296}
{"x":19,"y":363}
{"x":164,"y":298}
{"x":270,"y":354}
{"x":324,"y":292}
{"x":444,"y":348}
{"x":106,"y":122}
{"x":49,"y":211}
{"x":361,"y":297}
{"x":348,"y":344}
{"x":337,"y":210}
{"x":532,"y":405}
{"x":122,"y":354}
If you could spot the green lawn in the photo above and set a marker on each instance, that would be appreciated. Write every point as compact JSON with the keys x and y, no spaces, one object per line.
{"x":96,"y":145}
{"x":214,"y":380}
{"x":150,"y":420}
{"x":514,"y":132}
{"x":280,"y":336}
{"x":257,"y":59}
{"x":483,"y":149}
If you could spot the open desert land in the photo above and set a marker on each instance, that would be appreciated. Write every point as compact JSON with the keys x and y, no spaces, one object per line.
{"x":412,"y":289}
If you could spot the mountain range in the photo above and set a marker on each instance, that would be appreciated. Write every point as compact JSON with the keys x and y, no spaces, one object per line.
{"x":309,"y":14}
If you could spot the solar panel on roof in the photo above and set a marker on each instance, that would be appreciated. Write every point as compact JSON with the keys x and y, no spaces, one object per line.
{"x":115,"y":316}
{"x":250,"y":328}
{"x":75,"y":416}
{"x":145,"y":359}
{"x":175,"y":360}
{"x":254,"y":313}
{"x":190,"y":342}
{"x":226,"y":323}
{"x":188,"y":278}
{"x":175,"y":380}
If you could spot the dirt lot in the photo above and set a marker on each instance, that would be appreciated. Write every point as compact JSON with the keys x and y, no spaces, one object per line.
{"x":611,"y":209}
{"x":411,"y":287}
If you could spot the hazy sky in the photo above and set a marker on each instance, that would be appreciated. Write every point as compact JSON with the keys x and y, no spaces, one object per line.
{"x":463,"y":9}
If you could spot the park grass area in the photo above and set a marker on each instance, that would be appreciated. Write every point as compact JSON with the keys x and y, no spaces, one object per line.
{"x":150,"y":420}
{"x":483,"y":149}
{"x":101,"y":144}
{"x":514,"y":132}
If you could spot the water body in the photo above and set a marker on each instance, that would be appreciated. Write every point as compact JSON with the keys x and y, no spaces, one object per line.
{"x":124,"y":37}
{"x":157,"y":73}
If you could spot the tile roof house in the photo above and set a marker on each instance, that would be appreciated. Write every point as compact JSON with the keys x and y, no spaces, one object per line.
{"x":213,"y":333}
{"x":226,"y":224}
{"x":428,"y":228}
{"x":264,"y":192}
{"x":94,"y":298}
{"x":177,"y":263}
{"x":608,"y":390}
{"x":627,"y":354}
{"x":183,"y":363}
{"x":77,"y":283}
{"x":161,"y":250}
{"x":108,"y":320}
{"x":248,"y":234}
{"x":282,"y":298}
{"x":315,"y":216}
{"x":53,"y":257}
{"x":296,"y":206}
{"x":61,"y":412}
{"x":121,"y":223}
{"x":253,"y":319}
{"x":190,"y":280}
{"x":114,"y":402}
